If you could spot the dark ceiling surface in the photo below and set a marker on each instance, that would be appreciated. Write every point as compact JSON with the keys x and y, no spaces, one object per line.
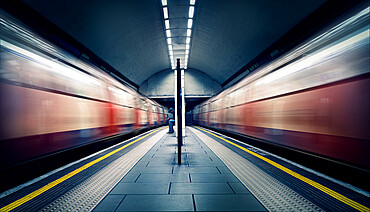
{"x":130,"y":35}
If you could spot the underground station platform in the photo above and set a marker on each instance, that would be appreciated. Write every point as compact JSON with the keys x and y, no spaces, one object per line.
{"x":217,"y":173}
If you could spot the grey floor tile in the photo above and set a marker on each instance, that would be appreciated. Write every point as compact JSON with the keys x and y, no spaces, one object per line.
{"x":200,"y":188}
{"x":205,"y":163}
{"x":156,"y":155}
{"x":224,"y":169}
{"x":153,"y":169}
{"x":109,"y":203}
{"x":227,"y":203}
{"x":163,"y":178}
{"x":213,"y":178}
{"x":162,"y":163}
{"x":194,"y":169}
{"x":141,"y":188}
{"x":157,"y":203}
{"x":165,"y":150}
{"x":130,"y":177}
{"x":162,"y":159}
{"x":239,"y":188}
{"x":142,"y":163}
{"x":197,"y":157}
{"x":198,"y":152}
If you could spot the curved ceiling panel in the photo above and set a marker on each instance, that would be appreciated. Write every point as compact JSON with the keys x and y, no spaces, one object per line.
{"x":126,"y":34}
{"x":228,"y":34}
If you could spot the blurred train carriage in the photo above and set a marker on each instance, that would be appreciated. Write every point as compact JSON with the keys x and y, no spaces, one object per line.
{"x":315,"y":98}
{"x":52,"y":101}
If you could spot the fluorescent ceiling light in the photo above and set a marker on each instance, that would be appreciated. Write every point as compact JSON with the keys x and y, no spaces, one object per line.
{"x":170,"y":47}
{"x":192,"y":2}
{"x":188,"y":32}
{"x":171,"y":53}
{"x":191,"y":11}
{"x":186,"y":56}
{"x":186,"y":51}
{"x":171,"y":57}
{"x":190,"y":23}
{"x":169,"y":40}
{"x":187,"y":46}
{"x":168,"y":33}
{"x":167,"y":23}
{"x":165,"y":12}
{"x":187,"y":40}
{"x":164,"y":2}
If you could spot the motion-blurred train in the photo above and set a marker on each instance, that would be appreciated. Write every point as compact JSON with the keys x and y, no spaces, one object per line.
{"x":314,"y":98}
{"x":52,"y":101}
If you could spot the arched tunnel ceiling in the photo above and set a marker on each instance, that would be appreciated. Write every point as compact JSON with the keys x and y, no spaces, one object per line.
{"x":130,"y":36}
{"x":228,"y":34}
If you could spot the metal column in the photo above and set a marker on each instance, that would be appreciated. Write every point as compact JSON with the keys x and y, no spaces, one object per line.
{"x":179,"y":113}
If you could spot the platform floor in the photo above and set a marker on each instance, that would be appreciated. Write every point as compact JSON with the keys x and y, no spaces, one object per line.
{"x":217,"y":173}
{"x":201,"y":183}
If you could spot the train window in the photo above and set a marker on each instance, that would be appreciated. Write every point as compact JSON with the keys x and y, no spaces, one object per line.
{"x":130,"y":100}
{"x":206,"y":108}
{"x":154,"y":109}
{"x":120,"y":96}
{"x":32,"y":69}
{"x":144,"y":104}
{"x":218,"y":104}
{"x":231,"y":98}
{"x":239,"y":96}
{"x":211,"y":106}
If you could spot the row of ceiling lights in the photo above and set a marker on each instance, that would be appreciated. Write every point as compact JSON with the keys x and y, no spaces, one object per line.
{"x":188,"y":33}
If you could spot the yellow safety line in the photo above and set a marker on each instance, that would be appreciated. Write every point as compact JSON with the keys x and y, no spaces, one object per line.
{"x":322,"y":188}
{"x":34,"y":194}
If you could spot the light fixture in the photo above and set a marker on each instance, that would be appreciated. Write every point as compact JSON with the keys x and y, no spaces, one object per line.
{"x":168,"y":33}
{"x":165,"y":12}
{"x":184,"y":55}
{"x":191,"y":11}
{"x":188,"y":32}
{"x":167,"y":23}
{"x":190,"y":23}
{"x":187,"y":40}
